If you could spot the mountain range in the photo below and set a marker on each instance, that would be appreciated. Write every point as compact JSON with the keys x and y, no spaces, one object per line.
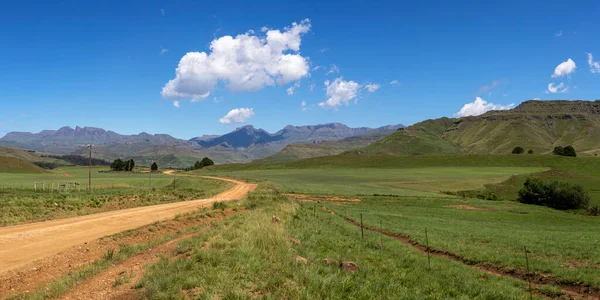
{"x":241,"y":145}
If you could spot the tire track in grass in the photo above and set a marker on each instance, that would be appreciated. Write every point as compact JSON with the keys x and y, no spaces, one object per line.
{"x":582,"y":291}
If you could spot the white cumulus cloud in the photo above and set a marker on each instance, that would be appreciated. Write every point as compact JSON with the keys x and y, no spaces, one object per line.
{"x":564,"y":68}
{"x":303,"y":105}
{"x":339,"y":92}
{"x":176,"y":103}
{"x":560,"y":88}
{"x":246,"y":62}
{"x":594,"y":65}
{"x":480,"y":106}
{"x":237,"y":115}
{"x":372,"y":87}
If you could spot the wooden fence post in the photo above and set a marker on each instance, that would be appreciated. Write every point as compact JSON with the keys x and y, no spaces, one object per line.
{"x":428,"y":255}
{"x":362,"y":228}
{"x":528,"y":274}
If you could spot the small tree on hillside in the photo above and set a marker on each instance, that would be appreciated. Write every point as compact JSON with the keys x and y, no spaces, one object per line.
{"x":198,"y":165}
{"x":207,"y":162}
{"x":154,"y":167}
{"x":518,"y":150}
{"x":566,"y":151}
{"x":569,"y":151}
{"x":530,"y":151}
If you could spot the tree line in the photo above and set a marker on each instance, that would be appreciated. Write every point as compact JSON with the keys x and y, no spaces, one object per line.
{"x":121,"y":165}
{"x":558,"y":150}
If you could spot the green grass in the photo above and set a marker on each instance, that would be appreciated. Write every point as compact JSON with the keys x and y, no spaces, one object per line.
{"x":19,"y":203}
{"x":562,"y":245}
{"x":406,"y":182}
{"x":250,"y":256}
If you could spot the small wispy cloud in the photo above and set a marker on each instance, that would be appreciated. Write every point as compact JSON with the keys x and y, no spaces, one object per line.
{"x":324,"y":50}
{"x":560,"y":88}
{"x":316,"y":68}
{"x":290,"y":91}
{"x":176,"y":103}
{"x":163,"y":50}
{"x":372,"y":87}
{"x":333,"y":69}
{"x":311,"y":87}
{"x":490,"y":87}
{"x":594,"y":65}
{"x":558,"y":34}
{"x":304,"y":106}
{"x":162,"y":12}
{"x":394,"y":82}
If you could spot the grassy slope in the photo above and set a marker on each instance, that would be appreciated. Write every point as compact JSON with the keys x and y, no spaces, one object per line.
{"x":327,"y":148}
{"x":420,"y":139}
{"x":15,"y":165}
{"x":536,"y":125}
{"x":29,"y":156}
{"x":249,"y":256}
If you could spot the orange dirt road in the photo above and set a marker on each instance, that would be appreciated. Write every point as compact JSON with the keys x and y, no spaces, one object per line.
{"x":22,"y":244}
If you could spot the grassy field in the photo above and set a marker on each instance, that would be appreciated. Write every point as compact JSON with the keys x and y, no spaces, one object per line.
{"x":250,"y":256}
{"x":19,"y":202}
{"x":405,"y":182}
{"x":562,"y":244}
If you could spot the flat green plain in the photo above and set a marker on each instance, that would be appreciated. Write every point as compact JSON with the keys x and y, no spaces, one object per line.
{"x":368,"y":181}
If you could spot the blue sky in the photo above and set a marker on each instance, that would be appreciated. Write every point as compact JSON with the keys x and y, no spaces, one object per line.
{"x":105,"y":63}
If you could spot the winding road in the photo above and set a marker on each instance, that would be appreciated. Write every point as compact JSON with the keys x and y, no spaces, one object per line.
{"x":22,"y":244}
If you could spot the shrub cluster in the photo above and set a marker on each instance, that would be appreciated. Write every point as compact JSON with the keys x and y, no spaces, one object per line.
{"x":201,"y":164}
{"x":120,"y":165}
{"x":566,"y":151}
{"x":555,"y":194}
{"x":520,"y":150}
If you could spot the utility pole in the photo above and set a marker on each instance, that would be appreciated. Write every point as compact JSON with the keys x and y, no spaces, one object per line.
{"x":90,"y":172}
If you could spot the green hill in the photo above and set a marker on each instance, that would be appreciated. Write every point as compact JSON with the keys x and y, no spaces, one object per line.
{"x":327,"y":148}
{"x":420,"y":139}
{"x":536,"y":125}
{"x":15,"y":165}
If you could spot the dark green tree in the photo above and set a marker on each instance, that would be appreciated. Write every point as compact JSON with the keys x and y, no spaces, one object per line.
{"x":569,"y":151}
{"x":566,"y":151}
{"x":198,"y":165}
{"x":530,"y":151}
{"x":555,"y":194}
{"x":117,"y":165}
{"x":154,"y":167}
{"x":129,"y":165}
{"x":207,"y":162}
{"x":558,"y":150}
{"x":518,"y":150}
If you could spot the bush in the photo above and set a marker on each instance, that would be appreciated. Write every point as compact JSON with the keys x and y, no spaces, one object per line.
{"x":566,"y":151}
{"x":219,"y":205}
{"x":530,"y":151}
{"x":518,"y":150}
{"x":594,"y":210}
{"x":555,"y":194}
